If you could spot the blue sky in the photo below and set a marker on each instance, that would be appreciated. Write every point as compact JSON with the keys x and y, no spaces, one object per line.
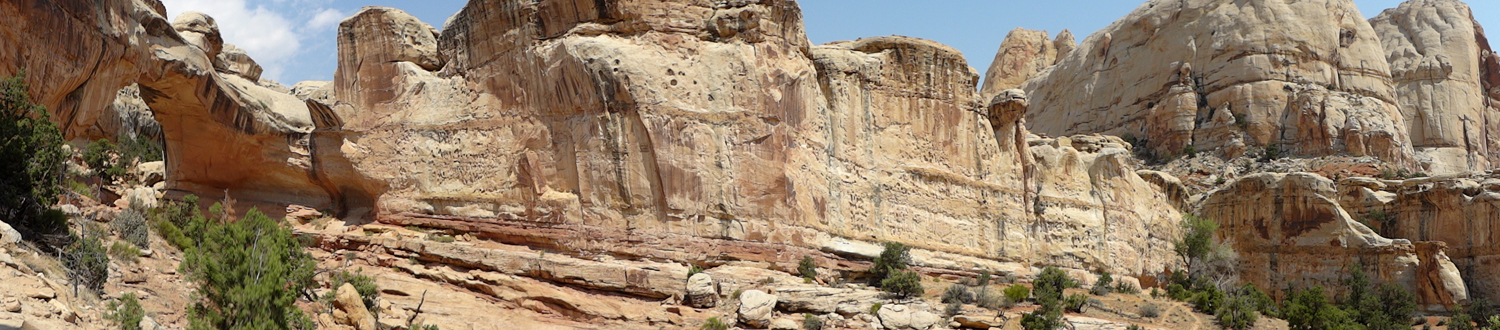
{"x":295,"y":40}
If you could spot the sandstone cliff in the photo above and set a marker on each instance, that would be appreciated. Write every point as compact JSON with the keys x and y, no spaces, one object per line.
{"x":1444,"y":74}
{"x":1291,"y":229}
{"x":1306,"y":76}
{"x":620,"y":118}
{"x":1022,"y":55}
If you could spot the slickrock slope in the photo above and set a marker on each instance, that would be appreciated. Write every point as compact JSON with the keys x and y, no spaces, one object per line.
{"x":1290,"y":229}
{"x":1308,"y":76}
{"x":620,"y":118}
{"x":1444,"y":74}
{"x":1022,"y":55}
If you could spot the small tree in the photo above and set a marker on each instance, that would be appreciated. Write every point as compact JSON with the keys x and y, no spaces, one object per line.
{"x":1237,"y":313}
{"x":1197,"y":239}
{"x":127,"y":312}
{"x":88,"y":262}
{"x":249,"y":274}
{"x":893,"y":259}
{"x":1048,"y":289}
{"x":32,"y":171}
{"x":1310,"y":310}
{"x":1102,"y":285}
{"x":903,"y":284}
{"x":808,"y":268}
{"x":1017,"y":293}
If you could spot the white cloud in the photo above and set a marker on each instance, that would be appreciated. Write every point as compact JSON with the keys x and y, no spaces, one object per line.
{"x":326,"y":18}
{"x":273,"y":33}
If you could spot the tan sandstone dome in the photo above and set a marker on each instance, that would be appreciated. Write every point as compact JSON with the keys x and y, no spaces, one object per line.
{"x":1307,"y":76}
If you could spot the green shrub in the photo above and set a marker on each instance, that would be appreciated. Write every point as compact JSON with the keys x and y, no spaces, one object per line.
{"x":810,"y":322}
{"x":1134,"y":327}
{"x":1101,"y":286}
{"x":1271,"y":152}
{"x":808,"y":268}
{"x":713,"y":323}
{"x":953,"y":309}
{"x":1017,"y":293}
{"x":31,"y":177}
{"x":125,"y":252}
{"x":1048,"y":290}
{"x":894,"y":259}
{"x":1259,"y":300}
{"x":1310,"y":309}
{"x":131,"y":225}
{"x":365,"y":285}
{"x":440,"y":238}
{"x":1197,"y":239}
{"x":875,"y":309}
{"x":127,"y":312}
{"x":82,"y":189}
{"x":903,"y":284}
{"x":1237,"y":313}
{"x":1178,"y":292}
{"x":1126,"y":288}
{"x":249,"y":274}
{"x":103,"y":157}
{"x":984,"y":279}
{"x":180,"y":223}
{"x":87,"y":262}
{"x":694,"y":270}
{"x":1207,"y":300}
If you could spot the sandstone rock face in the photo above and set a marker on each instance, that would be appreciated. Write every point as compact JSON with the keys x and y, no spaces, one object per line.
{"x":756,"y":307}
{"x":906,"y":317}
{"x":1022,"y":55}
{"x":1441,"y":66}
{"x":1291,"y":228}
{"x":201,"y":31}
{"x":1308,"y":76}
{"x":233,"y":60}
{"x":1458,"y":211}
{"x":375,"y":42}
{"x":620,"y":117}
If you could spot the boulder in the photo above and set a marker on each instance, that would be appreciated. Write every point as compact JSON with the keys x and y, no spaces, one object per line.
{"x":347,"y":299}
{"x":233,"y":60}
{"x":978,"y":322}
{"x":756,"y":307}
{"x":702,"y":292}
{"x":152,"y":172}
{"x":897,"y":317}
{"x":786,"y":324}
{"x":8,"y":235}
{"x":201,"y":31}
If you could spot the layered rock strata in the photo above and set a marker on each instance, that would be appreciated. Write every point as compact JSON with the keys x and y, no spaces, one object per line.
{"x":1292,"y":230}
{"x":622,"y":118}
{"x":1306,"y":76}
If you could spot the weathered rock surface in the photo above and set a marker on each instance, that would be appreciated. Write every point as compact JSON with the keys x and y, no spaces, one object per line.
{"x":756,"y":307}
{"x":1308,"y":76}
{"x":1444,"y":74}
{"x":1291,"y":228}
{"x":1456,"y":210}
{"x":738,"y":129}
{"x":904,"y":317}
{"x":233,"y":60}
{"x":701,"y":291}
{"x":1022,"y":55}
{"x":356,"y":314}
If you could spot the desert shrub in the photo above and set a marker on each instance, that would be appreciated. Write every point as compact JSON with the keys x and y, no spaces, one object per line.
{"x":1271,"y":152}
{"x":180,"y":223}
{"x":958,"y":293}
{"x":32,"y":174}
{"x":1237,"y":313}
{"x":1134,"y":327}
{"x":1075,"y":302}
{"x":1126,"y":288}
{"x":1207,"y":299}
{"x":249,"y":274}
{"x":127,"y":312}
{"x":694,"y":270}
{"x":875,"y":309}
{"x":713,"y":323}
{"x":87,"y":262}
{"x":132,"y":227}
{"x":103,"y":157}
{"x":82,"y":189}
{"x":1017,"y":293}
{"x":1102,"y":285}
{"x":441,"y":238}
{"x":125,"y":252}
{"x":894,"y":259}
{"x":808,"y":268}
{"x":984,"y":279}
{"x":810,"y":322}
{"x":1150,"y":310}
{"x":903,"y":284}
{"x":1048,"y":290}
{"x":363,"y":284}
{"x":1259,"y":300}
{"x":1310,"y":310}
